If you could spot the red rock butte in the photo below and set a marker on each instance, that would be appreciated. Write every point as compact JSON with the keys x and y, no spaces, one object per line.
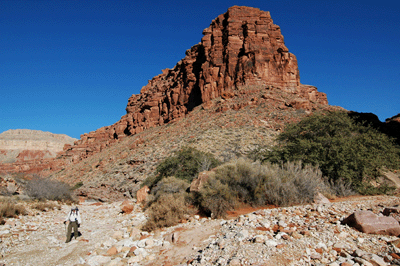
{"x":240,"y":48}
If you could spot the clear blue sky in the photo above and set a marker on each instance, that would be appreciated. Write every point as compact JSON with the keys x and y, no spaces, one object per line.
{"x":70,"y":66}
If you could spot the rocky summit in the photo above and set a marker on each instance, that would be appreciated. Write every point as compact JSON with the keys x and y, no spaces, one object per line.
{"x":241,"y":49}
{"x":231,"y":93}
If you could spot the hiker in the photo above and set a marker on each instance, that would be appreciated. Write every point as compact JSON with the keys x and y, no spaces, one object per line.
{"x":74,"y":220}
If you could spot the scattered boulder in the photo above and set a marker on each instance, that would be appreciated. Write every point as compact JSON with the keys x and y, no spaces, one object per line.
{"x":127,"y":206}
{"x":112,"y":251}
{"x":321,"y":199}
{"x":370,"y":223}
{"x":142,"y":193}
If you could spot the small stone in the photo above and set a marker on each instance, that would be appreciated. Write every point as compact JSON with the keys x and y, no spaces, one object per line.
{"x":343,"y":235}
{"x":131,"y":252}
{"x":296,"y":235}
{"x":359,"y":253}
{"x":127,"y":206}
{"x":118,"y":235}
{"x":140,"y":252}
{"x":258,"y":239}
{"x":395,"y":256}
{"x":135,"y":233}
{"x":375,"y":260}
{"x":141,"y":243}
{"x":316,"y":256}
{"x":135,"y":259}
{"x":271,"y":243}
{"x":319,"y":250}
{"x":235,"y":262}
{"x":149,"y":242}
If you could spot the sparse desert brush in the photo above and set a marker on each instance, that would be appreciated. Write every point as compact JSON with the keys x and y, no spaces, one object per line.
{"x":245,"y":181}
{"x":244,"y":178}
{"x":167,"y":211}
{"x":169,"y":185}
{"x":48,"y":189}
{"x":10,"y":209}
{"x":292,"y":183}
{"x":216,"y":198}
{"x":184,"y":164}
{"x":46,"y":206}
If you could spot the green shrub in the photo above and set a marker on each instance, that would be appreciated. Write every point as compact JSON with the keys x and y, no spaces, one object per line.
{"x":167,"y":211}
{"x":369,"y":189}
{"x":48,"y":189}
{"x":185,"y":164}
{"x":343,"y":149}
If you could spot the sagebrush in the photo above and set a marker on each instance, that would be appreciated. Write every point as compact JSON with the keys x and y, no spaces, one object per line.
{"x":167,"y":211}
{"x":185,"y":164}
{"x":48,"y":189}
{"x":254,"y":183}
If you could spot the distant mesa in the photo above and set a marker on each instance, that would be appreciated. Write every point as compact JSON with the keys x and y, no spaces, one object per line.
{"x":19,"y":145}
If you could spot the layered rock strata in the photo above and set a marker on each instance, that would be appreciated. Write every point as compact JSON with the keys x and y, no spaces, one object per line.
{"x":24,"y":150}
{"x":240,"y":49}
{"x":19,"y":145}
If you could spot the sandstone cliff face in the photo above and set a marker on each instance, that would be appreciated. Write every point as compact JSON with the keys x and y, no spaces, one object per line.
{"x":241,"y":48}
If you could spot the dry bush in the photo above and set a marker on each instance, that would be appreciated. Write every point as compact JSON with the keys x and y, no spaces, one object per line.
{"x":216,"y":198}
{"x":10,"y":209}
{"x":244,"y":178}
{"x":48,"y":189}
{"x":167,"y":211}
{"x":291,"y":183}
{"x":46,"y":206}
{"x":341,"y":189}
{"x":169,"y":185}
{"x":245,"y":181}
